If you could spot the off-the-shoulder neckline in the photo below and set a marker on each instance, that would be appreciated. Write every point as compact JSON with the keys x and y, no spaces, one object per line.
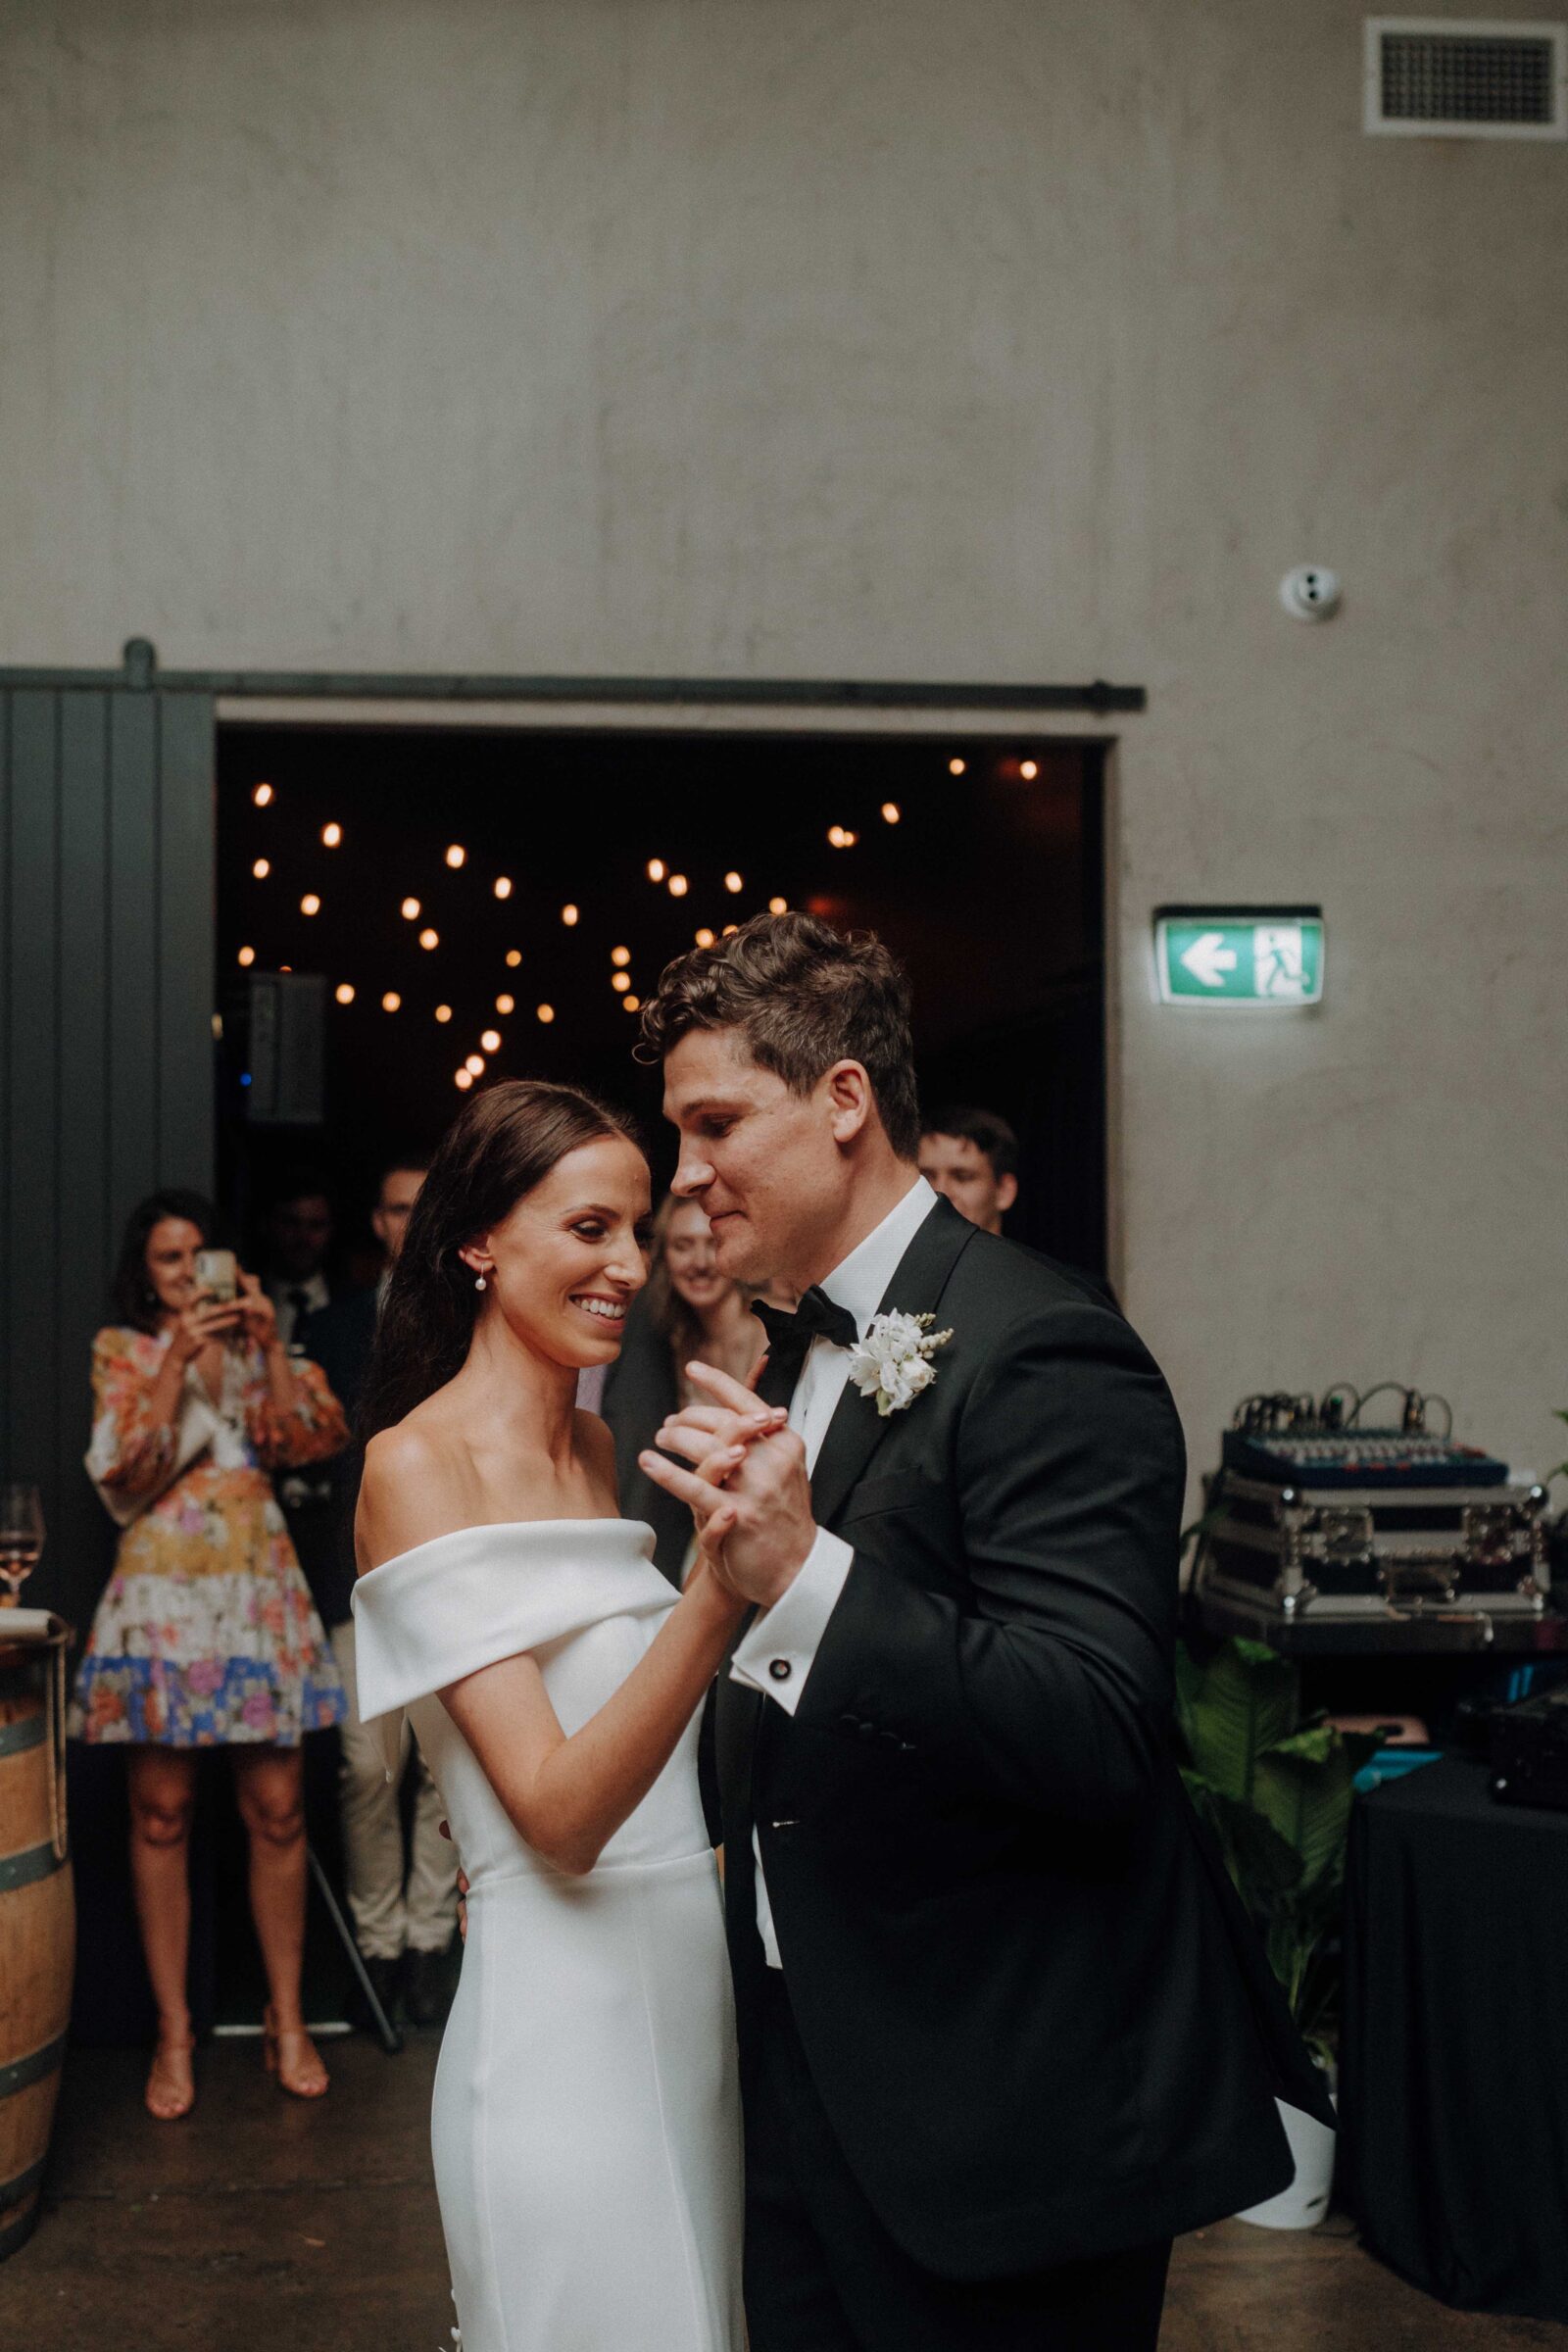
{"x":493,"y":1526}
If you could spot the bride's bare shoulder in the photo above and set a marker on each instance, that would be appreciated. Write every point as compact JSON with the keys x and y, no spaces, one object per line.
{"x":413,"y":1488}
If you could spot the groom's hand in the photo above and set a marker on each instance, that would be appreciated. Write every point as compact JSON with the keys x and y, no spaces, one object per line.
{"x":767,"y":1489}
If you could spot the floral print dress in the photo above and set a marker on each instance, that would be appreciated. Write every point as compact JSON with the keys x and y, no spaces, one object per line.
{"x":206,"y":1635}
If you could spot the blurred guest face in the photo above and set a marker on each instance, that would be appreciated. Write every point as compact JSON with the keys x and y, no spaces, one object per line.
{"x":692,"y":1260}
{"x":172,"y":1247}
{"x":963,"y":1174}
{"x":565,"y":1262}
{"x":389,"y":1219}
{"x":301,"y":1234}
{"x":763,"y":1164}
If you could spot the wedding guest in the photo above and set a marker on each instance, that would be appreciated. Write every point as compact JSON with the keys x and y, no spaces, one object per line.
{"x":402,"y":1917}
{"x":205,"y":1636}
{"x":971,"y":1157}
{"x":688,"y":1309}
{"x":299,"y":1237}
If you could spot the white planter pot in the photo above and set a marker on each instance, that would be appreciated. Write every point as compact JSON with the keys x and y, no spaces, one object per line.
{"x":1304,"y":2204}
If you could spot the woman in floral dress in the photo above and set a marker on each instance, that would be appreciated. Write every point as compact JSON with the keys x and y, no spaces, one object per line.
{"x":206,"y":1635}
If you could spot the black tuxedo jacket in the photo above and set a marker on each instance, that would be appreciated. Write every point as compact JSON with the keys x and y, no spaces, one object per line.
{"x":1035,"y":2012}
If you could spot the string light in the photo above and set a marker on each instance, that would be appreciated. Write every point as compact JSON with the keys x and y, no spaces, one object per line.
{"x":955,"y":767}
{"x":443,"y":1012}
{"x":730,"y":930}
{"x":568,"y":915}
{"x":331,"y":835}
{"x":620,"y":956}
{"x":344,"y":992}
{"x":621,"y":981}
{"x":678,"y":886}
{"x":631,"y":1004}
{"x":503,"y":886}
{"x":474,"y":1064}
{"x":778,"y":905}
{"x":263,"y":795}
{"x":841,"y":837}
{"x":463,"y":1078}
{"x":704,"y":938}
{"x":261,"y":868}
{"x":411,"y":910}
{"x":1028,"y":769}
{"x":734,"y":882}
{"x":891,"y":812}
{"x":391,"y":1001}
{"x":456,"y":854}
{"x":514,"y":957}
{"x":429,"y":938}
{"x":506,"y":1004}
{"x":310,"y":904}
{"x":546,"y":1013}
{"x":490,"y":1039}
{"x":286,"y":968}
{"x":657,"y":869}
{"x":247,"y":956}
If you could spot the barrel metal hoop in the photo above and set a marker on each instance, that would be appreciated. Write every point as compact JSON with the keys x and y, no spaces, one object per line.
{"x":22,"y":2184}
{"x":33,"y":2067}
{"x":17,"y":1737}
{"x":32,"y":1863}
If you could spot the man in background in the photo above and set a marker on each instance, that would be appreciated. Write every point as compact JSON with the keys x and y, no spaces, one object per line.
{"x":971,"y":1157}
{"x":403,"y":1918}
{"x":299,"y":1236}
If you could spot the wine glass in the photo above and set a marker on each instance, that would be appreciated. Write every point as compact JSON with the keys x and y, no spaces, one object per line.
{"x":21,"y":1534}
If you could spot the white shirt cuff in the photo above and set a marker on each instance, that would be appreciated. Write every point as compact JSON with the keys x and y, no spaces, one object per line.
{"x":777,"y":1653}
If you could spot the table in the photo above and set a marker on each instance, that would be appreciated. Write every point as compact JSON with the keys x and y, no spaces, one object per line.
{"x":1453,"y":2105}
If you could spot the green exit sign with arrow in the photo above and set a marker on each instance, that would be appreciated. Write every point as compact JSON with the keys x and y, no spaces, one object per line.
{"x":1267,"y":958}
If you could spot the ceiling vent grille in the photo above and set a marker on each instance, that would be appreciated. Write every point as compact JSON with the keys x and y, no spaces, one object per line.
{"x":1447,"y":77}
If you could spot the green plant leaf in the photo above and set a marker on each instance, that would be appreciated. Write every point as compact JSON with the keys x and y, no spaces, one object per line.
{"x":1303,"y":1785}
{"x":1245,"y":1700}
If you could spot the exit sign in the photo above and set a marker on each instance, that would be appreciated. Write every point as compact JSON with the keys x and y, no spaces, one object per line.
{"x":1267,"y":959}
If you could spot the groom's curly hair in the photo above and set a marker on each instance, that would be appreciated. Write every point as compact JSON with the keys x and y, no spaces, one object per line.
{"x":803,"y":997}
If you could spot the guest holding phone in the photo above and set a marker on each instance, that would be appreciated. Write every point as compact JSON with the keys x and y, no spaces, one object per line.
{"x":206,"y":1635}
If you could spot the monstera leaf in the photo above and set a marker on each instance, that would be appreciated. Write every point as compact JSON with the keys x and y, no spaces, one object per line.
{"x":1243,"y":1701}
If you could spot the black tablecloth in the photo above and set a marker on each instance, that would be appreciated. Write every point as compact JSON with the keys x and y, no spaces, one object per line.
{"x":1453,"y":2108}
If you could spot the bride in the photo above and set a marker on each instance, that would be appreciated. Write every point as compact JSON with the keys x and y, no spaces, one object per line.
{"x":586,"y":2124}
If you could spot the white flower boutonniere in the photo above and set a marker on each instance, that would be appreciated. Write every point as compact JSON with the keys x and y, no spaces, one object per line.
{"x":892,"y":1362}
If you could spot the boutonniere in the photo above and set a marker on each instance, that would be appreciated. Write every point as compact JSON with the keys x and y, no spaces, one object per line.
{"x":892,"y":1362}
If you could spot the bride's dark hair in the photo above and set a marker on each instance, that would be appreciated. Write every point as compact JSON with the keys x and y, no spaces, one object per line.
{"x":501,"y":1143}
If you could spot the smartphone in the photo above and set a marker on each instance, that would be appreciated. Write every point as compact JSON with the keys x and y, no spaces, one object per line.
{"x":218,"y":1275}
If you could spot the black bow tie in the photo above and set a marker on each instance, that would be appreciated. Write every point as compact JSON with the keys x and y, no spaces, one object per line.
{"x":789,"y":1335}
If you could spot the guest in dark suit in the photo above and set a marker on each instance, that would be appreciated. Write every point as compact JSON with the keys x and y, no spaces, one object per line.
{"x":403,"y":1918}
{"x":1005,"y":2028}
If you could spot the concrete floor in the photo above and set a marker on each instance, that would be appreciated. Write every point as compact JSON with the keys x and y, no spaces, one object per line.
{"x":264,"y":2226}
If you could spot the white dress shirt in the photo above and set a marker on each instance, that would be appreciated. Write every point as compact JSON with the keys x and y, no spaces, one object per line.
{"x":779,"y":1647}
{"x":283,"y":1293}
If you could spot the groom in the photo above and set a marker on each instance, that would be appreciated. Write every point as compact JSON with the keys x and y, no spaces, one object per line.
{"x":1004,"y":2029}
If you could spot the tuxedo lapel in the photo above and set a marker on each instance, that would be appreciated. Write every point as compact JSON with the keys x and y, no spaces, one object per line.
{"x":857,"y":1428}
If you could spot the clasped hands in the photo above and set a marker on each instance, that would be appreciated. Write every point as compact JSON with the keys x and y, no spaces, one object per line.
{"x":747,"y":1487}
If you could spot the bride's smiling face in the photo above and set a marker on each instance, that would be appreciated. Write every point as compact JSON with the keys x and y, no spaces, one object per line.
{"x":565,"y":1262}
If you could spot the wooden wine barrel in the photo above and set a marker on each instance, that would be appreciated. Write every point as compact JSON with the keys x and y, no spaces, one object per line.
{"x":38,"y":1909}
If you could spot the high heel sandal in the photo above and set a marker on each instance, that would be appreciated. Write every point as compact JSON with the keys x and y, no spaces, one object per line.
{"x":180,"y":2101}
{"x":297,"y":2078}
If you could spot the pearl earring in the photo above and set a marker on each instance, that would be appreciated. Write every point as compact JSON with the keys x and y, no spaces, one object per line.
{"x":478,"y":1282}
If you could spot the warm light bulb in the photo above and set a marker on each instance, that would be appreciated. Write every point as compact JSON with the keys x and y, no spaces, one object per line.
{"x":456,"y":854}
{"x":569,"y":914}
{"x":411,"y":910}
{"x":891,"y":812}
{"x":464,"y":1079}
{"x":729,"y":930}
{"x":620,"y":980}
{"x":778,"y":906}
{"x":503,"y":886}
{"x":620,"y":956}
{"x":443,"y":1012}
{"x":286,"y":968}
{"x":514,"y":957}
{"x":345,"y":992}
{"x":841,"y":837}
{"x":733,"y":882}
{"x":631,"y":1004}
{"x":955,"y":767}
{"x":331,"y":835}
{"x":546,"y":1012}
{"x":247,"y":956}
{"x":429,"y":938}
{"x":263,"y":795}
{"x":1028,"y":769}
{"x":261,"y":868}
{"x":490,"y":1039}
{"x":656,"y":869}
{"x":474,"y":1064}
{"x":678,"y":886}
{"x":310,"y":904}
{"x":704,"y":938}
{"x":506,"y":1004}
{"x":391,"y":1001}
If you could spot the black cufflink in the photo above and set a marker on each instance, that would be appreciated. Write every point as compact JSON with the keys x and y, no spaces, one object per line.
{"x":780,"y":1669}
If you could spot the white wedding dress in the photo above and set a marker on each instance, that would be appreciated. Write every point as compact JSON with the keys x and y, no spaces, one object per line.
{"x":586,"y":2121}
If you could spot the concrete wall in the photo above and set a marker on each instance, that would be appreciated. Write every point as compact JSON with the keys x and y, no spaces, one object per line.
{"x":1015,"y":339}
